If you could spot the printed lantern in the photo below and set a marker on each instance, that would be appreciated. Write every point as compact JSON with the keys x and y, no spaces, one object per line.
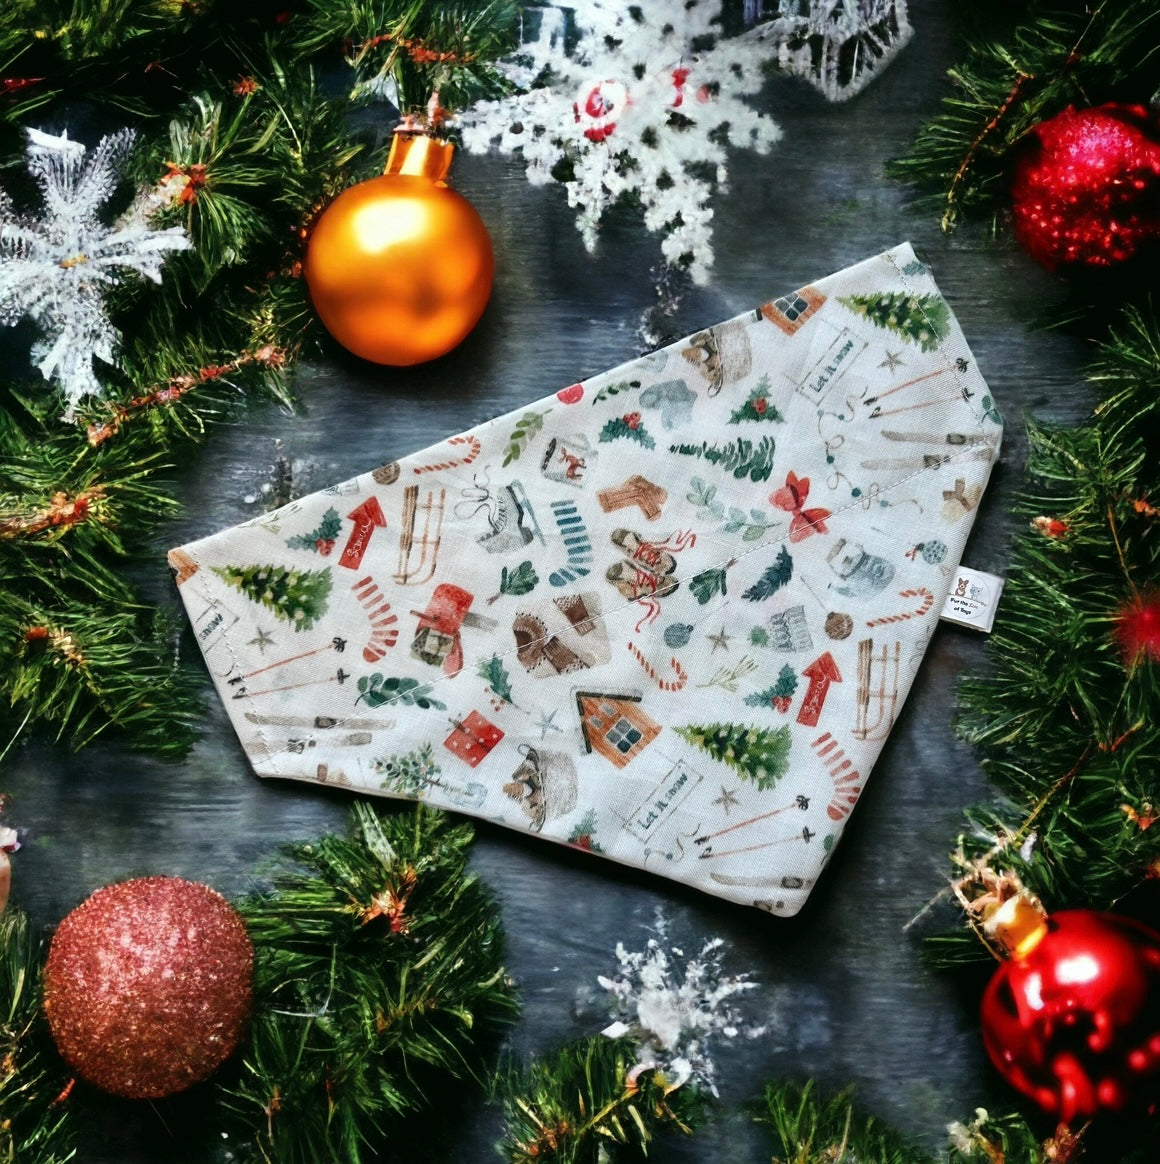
{"x":1073,"y":1018}
{"x":400,"y":267}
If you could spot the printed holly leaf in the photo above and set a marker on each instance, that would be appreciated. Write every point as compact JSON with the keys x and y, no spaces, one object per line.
{"x":757,"y":407}
{"x":493,"y":672}
{"x":774,"y":578}
{"x":705,"y":585}
{"x":377,"y":691}
{"x":321,"y":539}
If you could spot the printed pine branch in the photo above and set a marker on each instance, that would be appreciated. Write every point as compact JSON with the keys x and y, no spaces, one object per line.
{"x":923,"y":320}
{"x":743,"y":458}
{"x":408,"y":773}
{"x":378,"y":978}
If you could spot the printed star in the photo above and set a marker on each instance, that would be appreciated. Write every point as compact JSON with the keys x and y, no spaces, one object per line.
{"x":726,"y":800}
{"x":545,"y":724}
{"x":262,"y":641}
{"x":893,"y":360}
{"x":719,"y":640}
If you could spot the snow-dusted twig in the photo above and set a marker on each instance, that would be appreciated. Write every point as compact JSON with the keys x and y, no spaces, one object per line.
{"x":675,"y":1005}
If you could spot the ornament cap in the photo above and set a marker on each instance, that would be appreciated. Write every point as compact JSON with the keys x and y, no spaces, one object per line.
{"x":1019,"y":925}
{"x":419,"y":154}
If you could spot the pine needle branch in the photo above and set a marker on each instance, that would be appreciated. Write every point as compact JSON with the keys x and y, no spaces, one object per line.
{"x":378,"y":972}
{"x":35,"y":1124}
{"x":587,"y":1100}
{"x":1065,"y":716}
{"x":807,"y":1129}
{"x":1059,"y":54}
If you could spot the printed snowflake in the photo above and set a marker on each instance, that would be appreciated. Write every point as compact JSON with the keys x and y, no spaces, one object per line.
{"x":675,"y":1005}
{"x":644,"y":104}
{"x":54,"y":269}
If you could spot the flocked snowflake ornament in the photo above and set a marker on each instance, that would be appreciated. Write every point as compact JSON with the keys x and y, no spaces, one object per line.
{"x":675,"y":1005}
{"x":838,"y":45}
{"x":54,"y":269}
{"x":645,"y":103}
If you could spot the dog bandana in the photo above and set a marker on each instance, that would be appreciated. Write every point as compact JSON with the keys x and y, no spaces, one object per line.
{"x":667,"y":615}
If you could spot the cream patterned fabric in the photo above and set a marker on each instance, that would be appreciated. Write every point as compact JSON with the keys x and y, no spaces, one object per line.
{"x":667,"y":615}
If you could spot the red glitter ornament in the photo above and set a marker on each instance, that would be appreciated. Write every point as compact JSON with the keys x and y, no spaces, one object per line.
{"x":1073,"y":1018}
{"x":1085,"y":191}
{"x":1138,"y":629}
{"x":148,"y":985}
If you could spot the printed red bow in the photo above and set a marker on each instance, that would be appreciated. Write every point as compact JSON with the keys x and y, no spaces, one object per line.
{"x":791,"y":498}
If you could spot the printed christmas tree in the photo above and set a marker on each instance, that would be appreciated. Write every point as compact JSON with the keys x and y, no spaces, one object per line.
{"x":757,"y":754}
{"x":924,"y":320}
{"x":295,"y":596}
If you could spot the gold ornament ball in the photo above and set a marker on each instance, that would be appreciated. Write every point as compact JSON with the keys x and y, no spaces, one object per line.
{"x":400,"y":267}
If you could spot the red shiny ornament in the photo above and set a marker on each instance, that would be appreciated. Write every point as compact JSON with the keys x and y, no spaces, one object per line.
{"x":1085,"y":191}
{"x":1073,"y":1019}
{"x":1138,"y":629}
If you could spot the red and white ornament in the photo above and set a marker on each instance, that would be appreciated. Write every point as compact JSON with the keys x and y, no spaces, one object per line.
{"x":1085,"y":188}
{"x":1073,"y":1018}
{"x":597,"y":108}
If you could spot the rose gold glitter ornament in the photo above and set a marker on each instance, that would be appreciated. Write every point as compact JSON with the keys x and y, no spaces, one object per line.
{"x":148,"y":985}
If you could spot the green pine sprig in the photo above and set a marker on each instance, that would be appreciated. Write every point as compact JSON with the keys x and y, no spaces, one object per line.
{"x":806,"y":1128}
{"x":1066,"y":716}
{"x":35,"y":1117}
{"x":1058,"y":54}
{"x":378,"y":972}
{"x":588,"y":1101}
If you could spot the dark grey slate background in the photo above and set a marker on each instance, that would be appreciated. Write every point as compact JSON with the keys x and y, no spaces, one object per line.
{"x":841,"y":988}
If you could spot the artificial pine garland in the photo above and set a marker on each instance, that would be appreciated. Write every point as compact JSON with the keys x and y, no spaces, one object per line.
{"x":238,"y":144}
{"x":378,"y":970}
{"x":244,"y":156}
{"x":1059,"y":52}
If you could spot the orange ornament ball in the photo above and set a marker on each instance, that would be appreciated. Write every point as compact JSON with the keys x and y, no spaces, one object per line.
{"x":400,"y":267}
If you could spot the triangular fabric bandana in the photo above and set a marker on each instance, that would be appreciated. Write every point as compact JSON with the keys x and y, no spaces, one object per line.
{"x":667,"y":615}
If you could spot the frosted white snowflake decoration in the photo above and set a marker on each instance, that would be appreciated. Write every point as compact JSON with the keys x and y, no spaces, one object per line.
{"x":645,"y":104}
{"x":674,"y":1006}
{"x":54,"y":269}
{"x":839,"y":45}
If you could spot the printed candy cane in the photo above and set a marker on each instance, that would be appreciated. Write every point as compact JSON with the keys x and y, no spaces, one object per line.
{"x":575,"y":536}
{"x":902,"y":616}
{"x":466,"y":439}
{"x":383,"y":632}
{"x":847,"y":780}
{"x":664,"y":684}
